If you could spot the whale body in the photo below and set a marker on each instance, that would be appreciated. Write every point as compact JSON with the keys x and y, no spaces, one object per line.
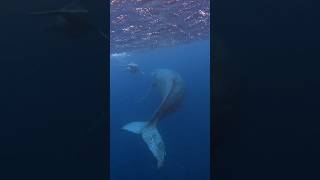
{"x":72,"y":18}
{"x":172,"y":90}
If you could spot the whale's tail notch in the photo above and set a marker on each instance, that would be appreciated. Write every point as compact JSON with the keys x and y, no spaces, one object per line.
{"x":151,"y":137}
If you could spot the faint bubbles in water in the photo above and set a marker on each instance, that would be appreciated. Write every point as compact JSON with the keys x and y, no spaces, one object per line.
{"x":119,"y":58}
{"x":119,"y":55}
{"x":148,"y":24}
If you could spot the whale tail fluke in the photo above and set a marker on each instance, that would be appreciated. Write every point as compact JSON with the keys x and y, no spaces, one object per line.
{"x":135,"y":127}
{"x":151,"y":137}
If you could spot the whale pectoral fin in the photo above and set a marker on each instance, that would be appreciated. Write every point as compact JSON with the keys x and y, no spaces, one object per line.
{"x":152,"y":138}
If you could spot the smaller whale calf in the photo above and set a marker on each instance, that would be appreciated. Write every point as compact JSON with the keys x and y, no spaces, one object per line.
{"x":133,"y":68}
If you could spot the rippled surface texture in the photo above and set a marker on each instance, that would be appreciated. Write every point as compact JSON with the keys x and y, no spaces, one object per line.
{"x":145,"y":24}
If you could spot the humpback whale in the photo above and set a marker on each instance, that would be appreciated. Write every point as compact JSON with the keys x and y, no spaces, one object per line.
{"x":72,"y":18}
{"x":172,"y":88}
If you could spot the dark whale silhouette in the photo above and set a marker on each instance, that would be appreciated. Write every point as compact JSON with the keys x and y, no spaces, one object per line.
{"x":172,"y":88}
{"x":72,"y":18}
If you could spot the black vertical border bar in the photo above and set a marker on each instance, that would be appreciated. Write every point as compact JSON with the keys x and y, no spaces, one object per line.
{"x":103,"y":16}
{"x":212,"y":86}
{"x":107,"y":134}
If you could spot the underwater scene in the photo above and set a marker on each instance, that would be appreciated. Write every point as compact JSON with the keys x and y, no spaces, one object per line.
{"x":54,"y":74}
{"x":160,"y":90}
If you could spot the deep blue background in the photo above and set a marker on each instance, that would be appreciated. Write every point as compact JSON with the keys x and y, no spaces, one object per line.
{"x":53,"y":88}
{"x":267,"y":124}
{"x":186,"y":133}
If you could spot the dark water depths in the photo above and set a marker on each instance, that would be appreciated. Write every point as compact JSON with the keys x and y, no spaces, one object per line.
{"x":52,"y":91}
{"x":267,"y":122}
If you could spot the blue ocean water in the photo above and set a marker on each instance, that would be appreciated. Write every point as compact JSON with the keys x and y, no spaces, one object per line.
{"x":186,"y":132}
